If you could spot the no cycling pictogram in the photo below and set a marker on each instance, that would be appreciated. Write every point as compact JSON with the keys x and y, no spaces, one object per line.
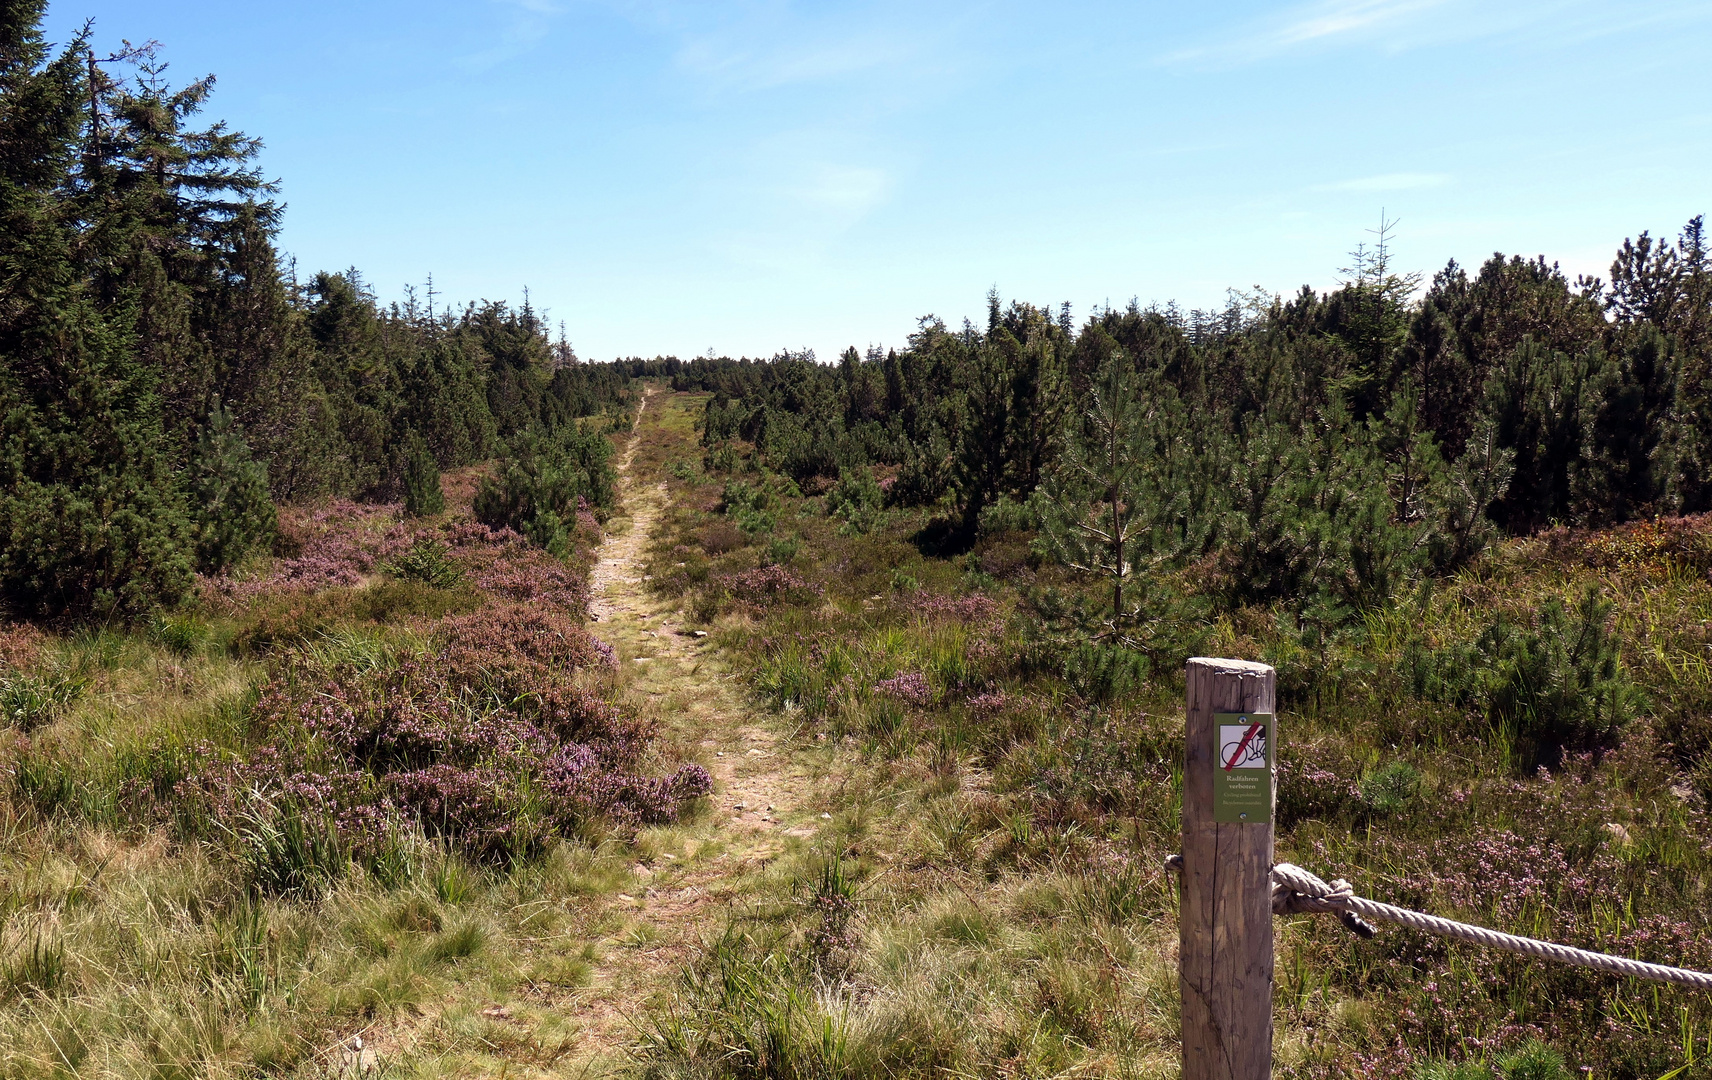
{"x":1247,"y":751}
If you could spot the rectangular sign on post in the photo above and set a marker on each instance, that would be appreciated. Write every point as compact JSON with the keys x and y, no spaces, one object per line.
{"x":1242,"y":780}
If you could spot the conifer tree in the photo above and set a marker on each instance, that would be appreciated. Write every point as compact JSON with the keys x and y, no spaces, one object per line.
{"x":541,"y":483}
{"x":442,"y":397}
{"x":422,"y":494}
{"x":361,"y":385}
{"x":1466,"y":494}
{"x":160,"y":200}
{"x":1013,"y":407}
{"x":229,"y":508}
{"x":91,"y":520}
{"x":1120,"y":498}
{"x":1092,"y":522}
{"x":267,"y":369}
{"x":1370,"y":319}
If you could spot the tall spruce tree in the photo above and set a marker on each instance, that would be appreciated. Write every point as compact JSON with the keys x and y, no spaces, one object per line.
{"x":91,"y":519}
{"x":266,"y":369}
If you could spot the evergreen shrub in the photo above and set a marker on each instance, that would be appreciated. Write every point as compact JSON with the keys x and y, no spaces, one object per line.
{"x":226,"y":490}
{"x":422,"y":494}
{"x":751,"y":507}
{"x":1552,"y":685}
{"x":856,"y":501}
{"x":542,"y":484}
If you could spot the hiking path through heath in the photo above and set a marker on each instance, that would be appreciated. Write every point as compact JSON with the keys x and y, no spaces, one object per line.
{"x":681,"y":895}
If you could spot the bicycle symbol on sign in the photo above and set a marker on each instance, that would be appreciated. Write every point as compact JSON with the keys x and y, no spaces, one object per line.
{"x":1242,"y":746}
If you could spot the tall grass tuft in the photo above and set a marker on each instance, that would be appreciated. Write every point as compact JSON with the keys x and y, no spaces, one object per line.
{"x":743,"y":1016}
{"x":28,"y":701}
{"x":36,"y":968}
{"x":289,"y":851}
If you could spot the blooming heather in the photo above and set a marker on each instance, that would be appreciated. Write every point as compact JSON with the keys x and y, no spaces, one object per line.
{"x":909,"y":687}
{"x":766,"y":585}
{"x":495,"y":739}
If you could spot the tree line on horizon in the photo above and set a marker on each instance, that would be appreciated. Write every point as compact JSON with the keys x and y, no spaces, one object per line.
{"x":1324,"y":448}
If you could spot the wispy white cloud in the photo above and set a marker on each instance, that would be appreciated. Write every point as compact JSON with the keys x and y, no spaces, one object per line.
{"x":809,"y":93}
{"x":739,"y":62}
{"x":761,"y":45}
{"x":1397,"y":181}
{"x":1401,"y":25}
{"x":1340,"y":19}
{"x":840,"y":189}
{"x":1321,"y":22}
{"x":792,"y":198}
{"x":523,"y":24}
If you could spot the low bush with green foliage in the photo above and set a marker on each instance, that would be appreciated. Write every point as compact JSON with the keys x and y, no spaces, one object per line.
{"x":1553,"y":683}
{"x":422,"y":494}
{"x":551,"y":476}
{"x":751,"y":507}
{"x":857,"y":501}
{"x":428,"y":561}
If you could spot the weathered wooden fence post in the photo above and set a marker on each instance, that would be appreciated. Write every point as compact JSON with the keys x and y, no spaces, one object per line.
{"x":1225,"y":958}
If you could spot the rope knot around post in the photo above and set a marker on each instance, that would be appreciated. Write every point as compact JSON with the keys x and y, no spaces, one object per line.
{"x":1295,"y":891}
{"x":1230,"y":890}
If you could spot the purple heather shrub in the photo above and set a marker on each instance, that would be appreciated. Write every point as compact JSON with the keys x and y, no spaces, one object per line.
{"x":512,"y":649}
{"x":1307,"y":789}
{"x":580,"y":791}
{"x":608,"y":654}
{"x":342,"y":544}
{"x":334,"y":544}
{"x":431,"y":742}
{"x":988,"y":704}
{"x":475,"y":807}
{"x":909,"y":687}
{"x":766,"y":585}
{"x":525,"y":574}
{"x":971,"y":609}
{"x":587,"y":525}
{"x":570,"y":712}
{"x":493,"y":740}
{"x":20,"y":645}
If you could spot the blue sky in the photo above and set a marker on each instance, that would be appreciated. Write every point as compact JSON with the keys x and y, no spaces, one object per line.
{"x":670,"y":177}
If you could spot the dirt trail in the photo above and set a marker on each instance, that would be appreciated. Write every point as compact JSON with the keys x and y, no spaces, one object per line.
{"x":758,"y":800}
{"x":686,"y":875}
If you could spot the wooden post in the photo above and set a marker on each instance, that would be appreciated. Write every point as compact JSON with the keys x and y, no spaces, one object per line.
{"x":1225,"y":956}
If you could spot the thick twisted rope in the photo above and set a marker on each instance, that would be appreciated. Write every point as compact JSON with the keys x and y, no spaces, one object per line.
{"x":1295,"y":889}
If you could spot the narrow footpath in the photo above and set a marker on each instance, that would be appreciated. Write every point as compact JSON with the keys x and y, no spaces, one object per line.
{"x":673,"y":673}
